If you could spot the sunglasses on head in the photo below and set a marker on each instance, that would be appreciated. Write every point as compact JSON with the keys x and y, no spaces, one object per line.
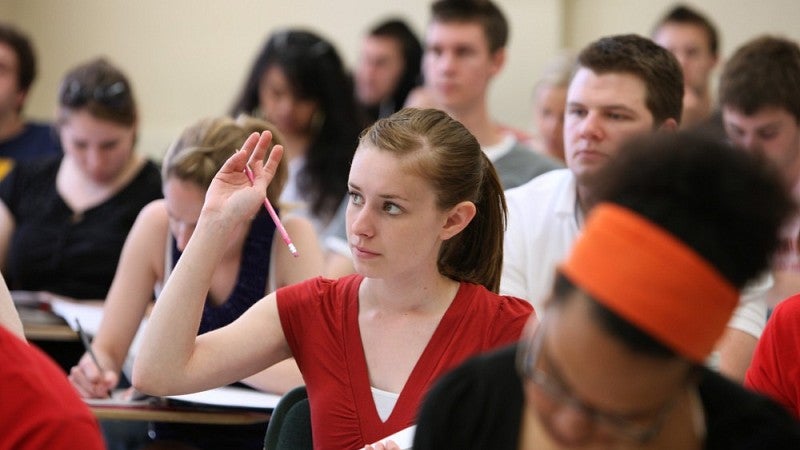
{"x":114,"y":95}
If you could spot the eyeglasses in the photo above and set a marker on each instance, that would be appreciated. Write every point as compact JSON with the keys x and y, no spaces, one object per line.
{"x":639,"y":430}
{"x":114,"y":95}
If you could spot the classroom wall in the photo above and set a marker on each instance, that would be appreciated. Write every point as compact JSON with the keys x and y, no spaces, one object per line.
{"x":187,"y":58}
{"x":737,"y":21}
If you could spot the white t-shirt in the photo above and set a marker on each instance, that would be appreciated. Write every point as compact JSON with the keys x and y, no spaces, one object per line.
{"x":540,"y":232}
{"x":293,"y":201}
{"x":497,"y":151}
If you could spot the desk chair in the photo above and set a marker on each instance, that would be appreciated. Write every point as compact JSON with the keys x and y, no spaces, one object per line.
{"x":290,"y":425}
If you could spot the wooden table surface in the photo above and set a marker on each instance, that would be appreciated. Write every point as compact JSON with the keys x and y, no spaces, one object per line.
{"x":163,"y":410}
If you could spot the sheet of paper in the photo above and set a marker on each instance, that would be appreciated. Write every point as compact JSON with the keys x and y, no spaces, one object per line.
{"x":232,"y":396}
{"x":123,"y":397}
{"x":31,"y":299}
{"x":88,"y":313}
{"x":403,"y":438}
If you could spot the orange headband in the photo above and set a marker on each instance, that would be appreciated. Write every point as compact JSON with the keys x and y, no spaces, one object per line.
{"x":651,"y":279}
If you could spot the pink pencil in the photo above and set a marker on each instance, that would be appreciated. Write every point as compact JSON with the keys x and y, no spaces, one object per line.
{"x":274,"y":216}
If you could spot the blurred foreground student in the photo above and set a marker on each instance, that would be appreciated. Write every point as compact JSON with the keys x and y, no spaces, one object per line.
{"x":775,"y":369}
{"x":38,"y":407}
{"x":255,"y":262}
{"x":8,"y":312}
{"x":618,"y":359}
{"x":427,"y":248}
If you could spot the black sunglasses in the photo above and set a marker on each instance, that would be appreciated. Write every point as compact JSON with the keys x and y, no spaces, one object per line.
{"x":114,"y":95}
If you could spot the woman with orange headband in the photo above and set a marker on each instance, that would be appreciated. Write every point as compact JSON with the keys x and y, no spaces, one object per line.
{"x":618,"y":359}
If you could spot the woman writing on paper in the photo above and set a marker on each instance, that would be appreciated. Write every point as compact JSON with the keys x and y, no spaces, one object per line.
{"x":427,"y":247}
{"x":255,"y":261}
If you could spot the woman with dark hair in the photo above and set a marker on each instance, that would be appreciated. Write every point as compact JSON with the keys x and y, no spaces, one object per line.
{"x":298,"y":83}
{"x":617,"y":360}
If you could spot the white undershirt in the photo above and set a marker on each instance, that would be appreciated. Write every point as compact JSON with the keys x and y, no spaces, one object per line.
{"x":497,"y":151}
{"x":384,"y":402}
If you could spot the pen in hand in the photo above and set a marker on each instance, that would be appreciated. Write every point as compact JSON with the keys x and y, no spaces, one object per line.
{"x":87,"y":345}
{"x":274,"y":216}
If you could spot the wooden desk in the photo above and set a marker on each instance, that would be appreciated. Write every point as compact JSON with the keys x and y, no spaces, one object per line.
{"x":43,"y":325}
{"x":163,"y":410}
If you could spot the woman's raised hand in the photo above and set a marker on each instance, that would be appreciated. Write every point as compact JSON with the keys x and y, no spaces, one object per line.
{"x":231,"y":193}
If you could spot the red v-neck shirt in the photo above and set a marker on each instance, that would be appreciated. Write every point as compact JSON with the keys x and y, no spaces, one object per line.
{"x":320,"y":320}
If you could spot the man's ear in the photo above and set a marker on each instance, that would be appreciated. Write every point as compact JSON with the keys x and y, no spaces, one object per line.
{"x":20,"y":99}
{"x":458,"y":218}
{"x":668,"y":125}
{"x":498,"y":60}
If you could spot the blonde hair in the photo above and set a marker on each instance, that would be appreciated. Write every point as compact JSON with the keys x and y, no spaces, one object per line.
{"x":202,"y":149}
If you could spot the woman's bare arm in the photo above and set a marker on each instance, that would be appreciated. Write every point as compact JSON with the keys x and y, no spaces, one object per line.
{"x":8,"y":313}
{"x":172,"y":358}
{"x":130,"y":294}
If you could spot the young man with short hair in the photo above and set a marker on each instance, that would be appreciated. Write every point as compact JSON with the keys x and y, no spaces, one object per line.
{"x":692,"y":38}
{"x":759,"y":95}
{"x":388,"y":68}
{"x":20,"y":140}
{"x":625,"y":86}
{"x":464,"y":50}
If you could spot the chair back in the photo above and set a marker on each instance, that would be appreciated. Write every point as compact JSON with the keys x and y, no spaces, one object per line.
{"x":290,"y":425}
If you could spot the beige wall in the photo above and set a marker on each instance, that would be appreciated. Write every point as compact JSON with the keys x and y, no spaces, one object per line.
{"x":187,"y":58}
{"x":737,"y":21}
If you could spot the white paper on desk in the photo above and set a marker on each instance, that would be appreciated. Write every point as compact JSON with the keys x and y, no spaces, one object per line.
{"x":403,"y":438}
{"x":232,"y":396}
{"x":31,"y":299}
{"x":89,"y":315}
{"x":122,"y":397}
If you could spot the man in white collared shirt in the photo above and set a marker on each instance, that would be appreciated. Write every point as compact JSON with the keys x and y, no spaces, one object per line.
{"x":625,"y":86}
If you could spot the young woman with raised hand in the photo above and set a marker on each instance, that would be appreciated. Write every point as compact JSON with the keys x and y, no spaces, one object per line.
{"x":425,"y":228}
